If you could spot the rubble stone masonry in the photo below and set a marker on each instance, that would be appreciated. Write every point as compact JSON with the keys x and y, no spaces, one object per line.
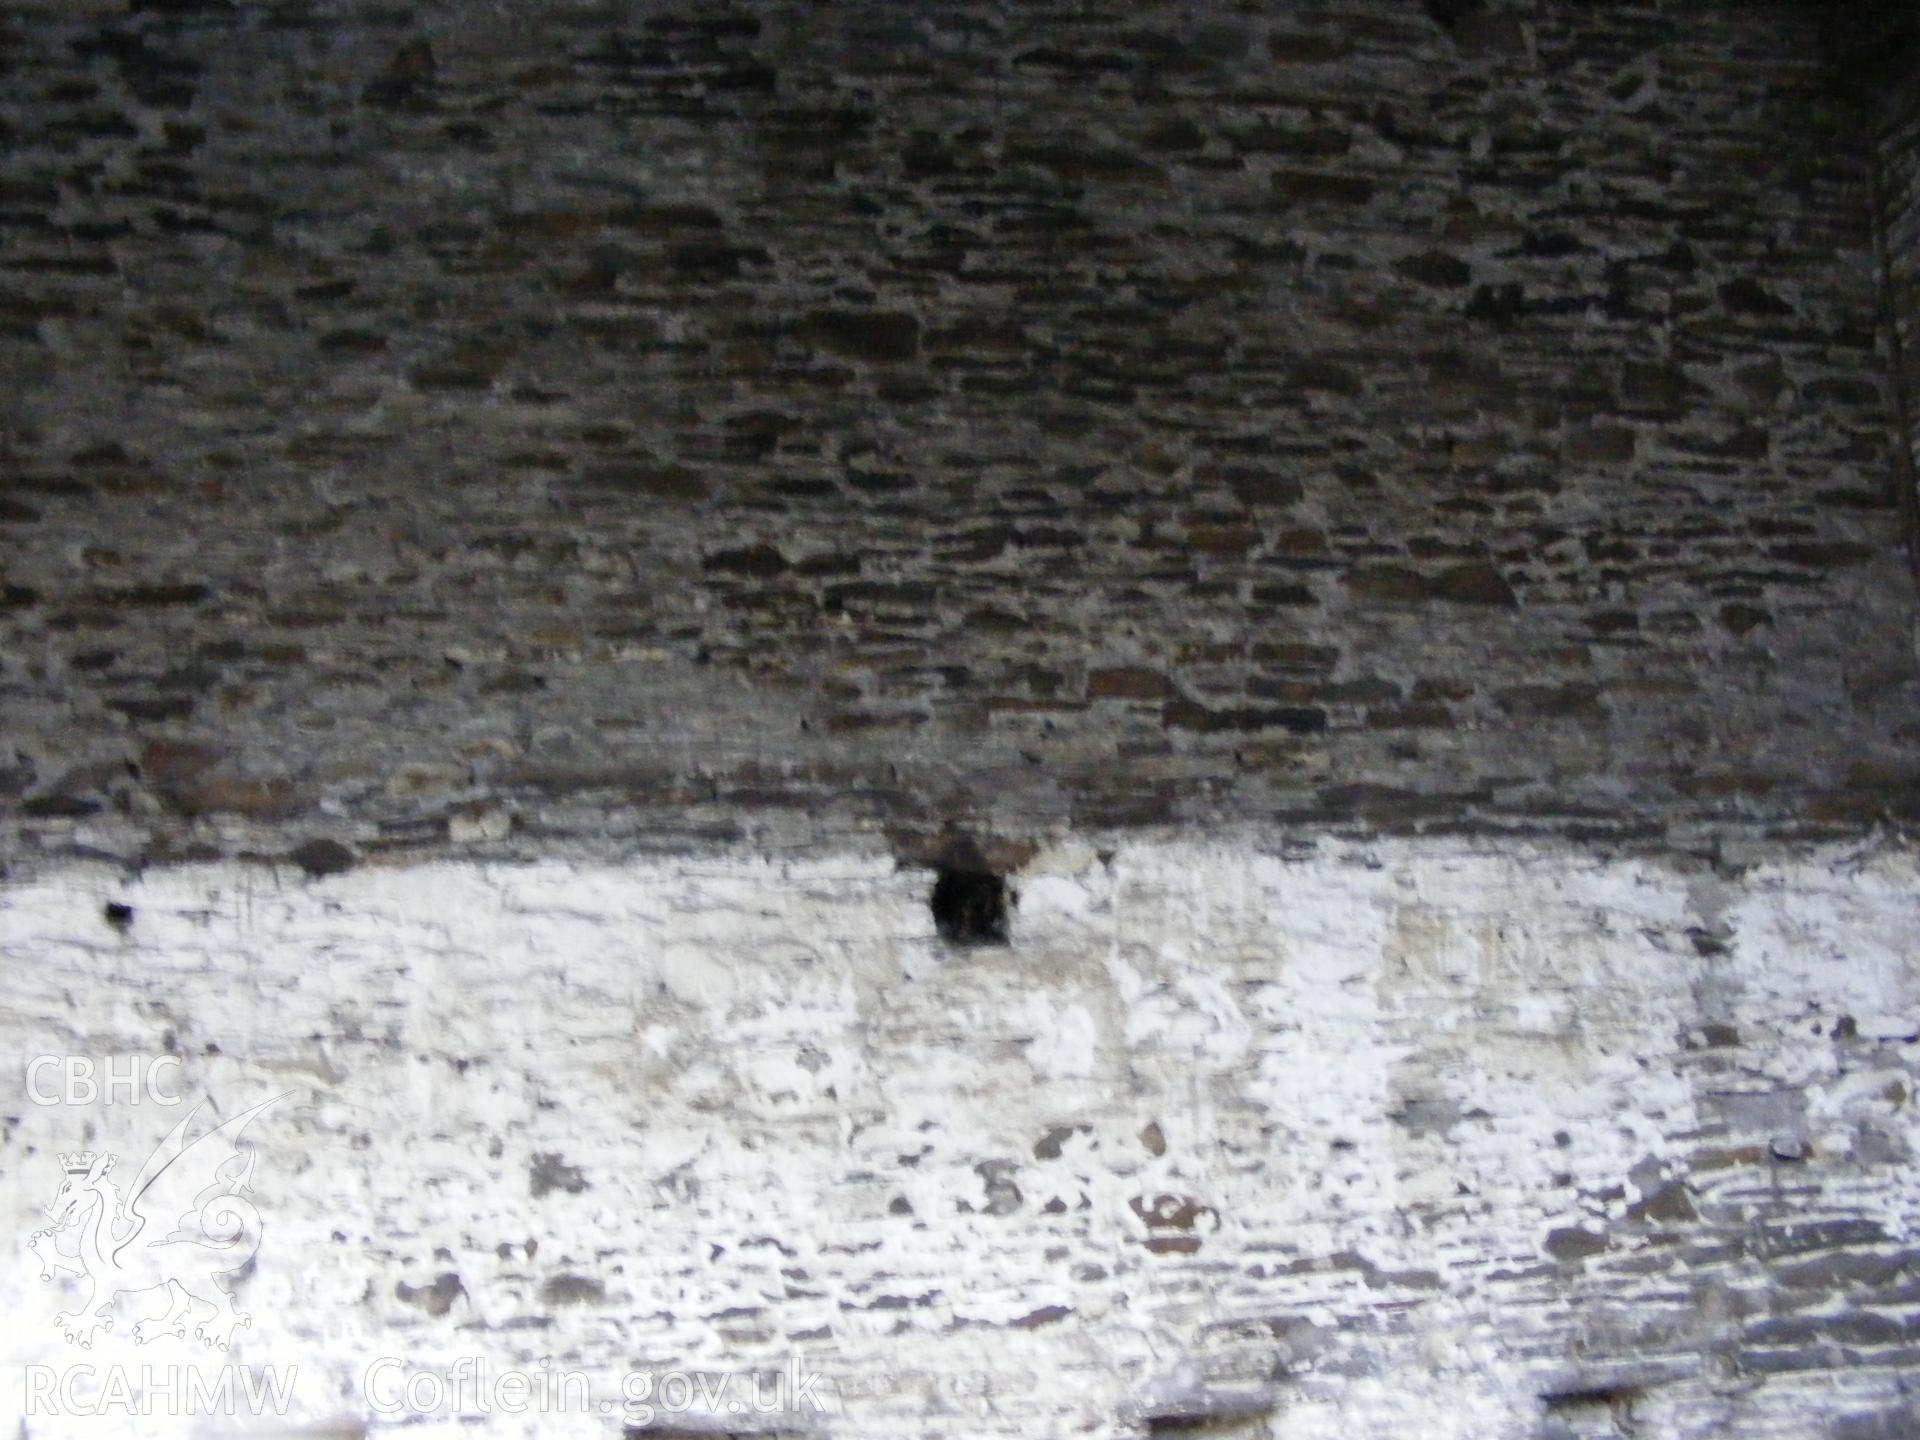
{"x":703,"y":422}
{"x":528,"y":529}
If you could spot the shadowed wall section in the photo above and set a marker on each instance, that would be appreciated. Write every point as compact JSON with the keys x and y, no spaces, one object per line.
{"x":1898,"y":176}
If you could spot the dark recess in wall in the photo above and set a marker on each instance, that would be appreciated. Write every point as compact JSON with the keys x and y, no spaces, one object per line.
{"x":969,"y":901}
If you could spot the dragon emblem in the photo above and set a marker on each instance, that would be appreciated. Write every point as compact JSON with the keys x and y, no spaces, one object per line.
{"x":183,"y":1224}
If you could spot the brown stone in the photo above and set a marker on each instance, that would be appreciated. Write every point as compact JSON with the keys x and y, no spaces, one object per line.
{"x":1410,"y":717}
{"x":1290,"y":592}
{"x":1387,"y":582}
{"x":260,"y":799}
{"x":1222,"y":539}
{"x":1128,"y":682}
{"x":1258,"y":487}
{"x":167,"y":762}
{"x":1189,"y":715}
{"x":1313,"y":659}
{"x":1601,"y":444}
{"x":1300,"y":542}
{"x":1473,"y":584}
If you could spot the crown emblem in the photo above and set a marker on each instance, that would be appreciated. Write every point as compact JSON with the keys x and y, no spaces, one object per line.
{"x":81,"y":1161}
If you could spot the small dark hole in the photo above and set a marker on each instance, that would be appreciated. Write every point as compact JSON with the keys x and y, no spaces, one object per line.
{"x":119,"y":916}
{"x":969,"y":901}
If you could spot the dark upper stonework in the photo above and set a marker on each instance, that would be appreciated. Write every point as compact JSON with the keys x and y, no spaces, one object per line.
{"x":570,"y":420}
{"x":1887,"y":57}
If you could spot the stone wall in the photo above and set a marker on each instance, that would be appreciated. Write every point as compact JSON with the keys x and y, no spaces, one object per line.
{"x":1377,"y":516}
{"x":567,"y":424}
{"x":1352,"y":1141}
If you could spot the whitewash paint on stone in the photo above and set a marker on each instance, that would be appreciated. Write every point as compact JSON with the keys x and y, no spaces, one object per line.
{"x":1406,"y":1137}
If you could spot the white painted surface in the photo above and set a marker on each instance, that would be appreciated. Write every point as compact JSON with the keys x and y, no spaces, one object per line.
{"x":1358,"y":1090}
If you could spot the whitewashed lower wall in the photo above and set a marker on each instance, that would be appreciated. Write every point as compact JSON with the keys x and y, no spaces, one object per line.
{"x":1411,"y":1138}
